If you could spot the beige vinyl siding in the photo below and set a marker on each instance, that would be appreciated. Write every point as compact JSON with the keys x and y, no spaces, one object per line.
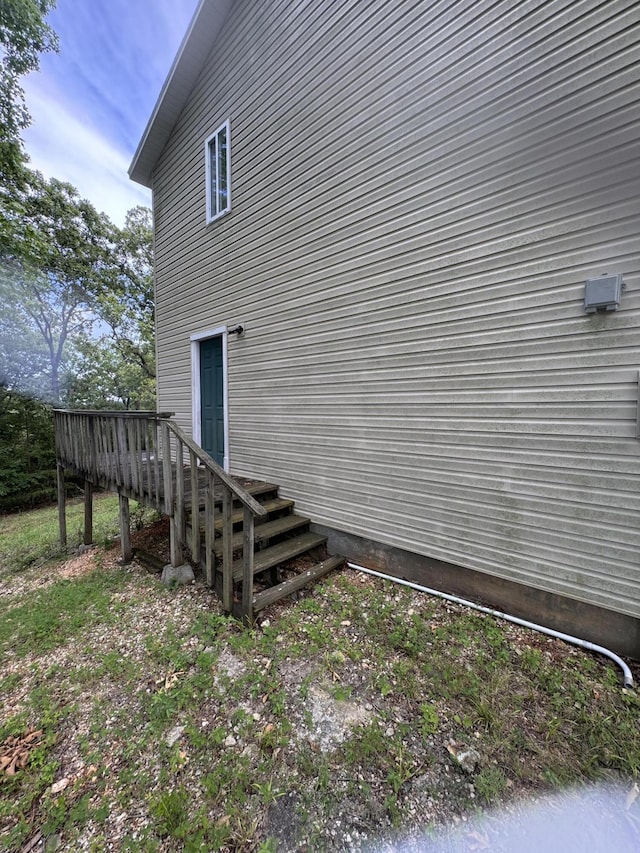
{"x":419,"y":192}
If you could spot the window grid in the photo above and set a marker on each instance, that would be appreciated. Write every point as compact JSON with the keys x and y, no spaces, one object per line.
{"x":218,"y":162}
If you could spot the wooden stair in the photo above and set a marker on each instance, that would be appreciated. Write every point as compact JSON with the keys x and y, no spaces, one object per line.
{"x":281,"y":537}
{"x":243,"y":534}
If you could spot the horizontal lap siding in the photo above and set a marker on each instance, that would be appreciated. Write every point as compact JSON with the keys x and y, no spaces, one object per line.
{"x":419,"y":192}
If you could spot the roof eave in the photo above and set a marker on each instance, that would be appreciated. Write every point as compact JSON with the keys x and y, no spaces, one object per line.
{"x":194,"y":50}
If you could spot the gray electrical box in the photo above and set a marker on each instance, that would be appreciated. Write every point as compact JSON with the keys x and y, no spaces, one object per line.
{"x":603,"y":293}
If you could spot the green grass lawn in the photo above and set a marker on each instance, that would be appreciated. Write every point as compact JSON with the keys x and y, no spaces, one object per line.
{"x":32,"y":537}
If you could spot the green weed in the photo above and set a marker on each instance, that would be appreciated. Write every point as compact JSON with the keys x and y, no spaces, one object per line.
{"x":170,"y":811}
{"x":490,"y":784}
{"x":430,"y":720}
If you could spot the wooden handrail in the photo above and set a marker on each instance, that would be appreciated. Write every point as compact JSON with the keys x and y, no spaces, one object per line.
{"x":208,"y":462}
{"x":119,"y":413}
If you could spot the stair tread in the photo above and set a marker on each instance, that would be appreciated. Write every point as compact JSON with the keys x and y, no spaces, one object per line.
{"x":255,"y":490}
{"x":266,"y":531}
{"x":279,"y":553}
{"x":273,"y":505}
{"x":275,"y":593}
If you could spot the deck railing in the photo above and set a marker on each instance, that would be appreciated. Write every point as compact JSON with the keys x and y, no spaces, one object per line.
{"x":147,"y":457}
{"x":121,"y":450}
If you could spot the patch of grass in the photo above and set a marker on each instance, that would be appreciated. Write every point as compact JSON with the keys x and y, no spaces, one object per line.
{"x":48,"y":618}
{"x":490,"y":784}
{"x":430,"y":720}
{"x":28,"y":538}
{"x":9,"y":683}
{"x":170,"y":810}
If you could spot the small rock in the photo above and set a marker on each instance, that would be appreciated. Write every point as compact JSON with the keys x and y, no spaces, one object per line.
{"x":389,"y":732}
{"x":468,"y":760}
{"x":174,"y":735}
{"x":266,"y":623}
{"x":230,"y":741}
{"x":59,"y":786}
{"x":177,"y":575}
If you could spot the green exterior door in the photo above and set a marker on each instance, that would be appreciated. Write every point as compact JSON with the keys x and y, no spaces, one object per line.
{"x":212,"y":398}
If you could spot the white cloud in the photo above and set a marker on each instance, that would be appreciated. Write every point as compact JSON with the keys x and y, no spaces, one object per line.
{"x":90,"y":102}
{"x":62,"y":146}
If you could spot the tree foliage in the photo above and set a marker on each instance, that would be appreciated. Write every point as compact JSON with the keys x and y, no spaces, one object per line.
{"x":61,"y":261}
{"x":117,"y":368}
{"x":27,"y":455}
{"x":24,"y":36}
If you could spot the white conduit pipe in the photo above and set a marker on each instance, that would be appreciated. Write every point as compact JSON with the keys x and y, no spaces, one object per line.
{"x":576,"y":641}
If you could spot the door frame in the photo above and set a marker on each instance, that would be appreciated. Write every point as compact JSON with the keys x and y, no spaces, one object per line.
{"x":196,"y":393}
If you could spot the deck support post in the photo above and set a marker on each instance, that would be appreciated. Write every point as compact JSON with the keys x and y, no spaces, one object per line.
{"x":175,"y":542}
{"x":62,"y":516}
{"x":88,"y":512}
{"x":125,"y":529}
{"x":227,"y":550}
{"x":247,"y":568}
{"x":209,"y":527}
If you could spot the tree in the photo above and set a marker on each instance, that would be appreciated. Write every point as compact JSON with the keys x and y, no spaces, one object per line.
{"x":100,"y":378}
{"x":27,"y":455}
{"x":117,"y":368}
{"x":129,"y":307}
{"x":23,"y":357}
{"x":24,"y":35}
{"x":65,"y":272}
{"x":77,"y":292}
{"x":62,"y":261}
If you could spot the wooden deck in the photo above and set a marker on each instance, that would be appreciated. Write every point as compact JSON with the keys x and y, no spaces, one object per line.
{"x":232,"y":527}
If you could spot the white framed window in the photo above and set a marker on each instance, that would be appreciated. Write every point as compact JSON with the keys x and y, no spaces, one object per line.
{"x":217,"y":150}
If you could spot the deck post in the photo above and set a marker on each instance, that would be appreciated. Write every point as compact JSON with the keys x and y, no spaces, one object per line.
{"x":247,"y":568}
{"x":175,"y":542}
{"x":88,"y":512}
{"x":62,"y":516}
{"x":227,"y":549}
{"x":209,"y":527}
{"x":125,"y":529}
{"x":195,"y":508}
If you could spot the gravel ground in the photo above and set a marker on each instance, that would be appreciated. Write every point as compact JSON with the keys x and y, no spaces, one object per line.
{"x":175,"y":729}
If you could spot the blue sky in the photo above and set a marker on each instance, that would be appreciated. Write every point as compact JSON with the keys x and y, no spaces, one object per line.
{"x":90,"y":103}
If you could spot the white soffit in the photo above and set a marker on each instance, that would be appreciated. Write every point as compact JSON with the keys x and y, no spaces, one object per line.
{"x":190,"y":59}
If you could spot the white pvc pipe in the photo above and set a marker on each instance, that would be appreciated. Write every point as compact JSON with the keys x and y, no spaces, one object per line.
{"x":576,"y":641}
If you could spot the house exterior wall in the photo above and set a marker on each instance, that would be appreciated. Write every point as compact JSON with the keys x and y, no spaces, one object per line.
{"x":419,"y":192}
